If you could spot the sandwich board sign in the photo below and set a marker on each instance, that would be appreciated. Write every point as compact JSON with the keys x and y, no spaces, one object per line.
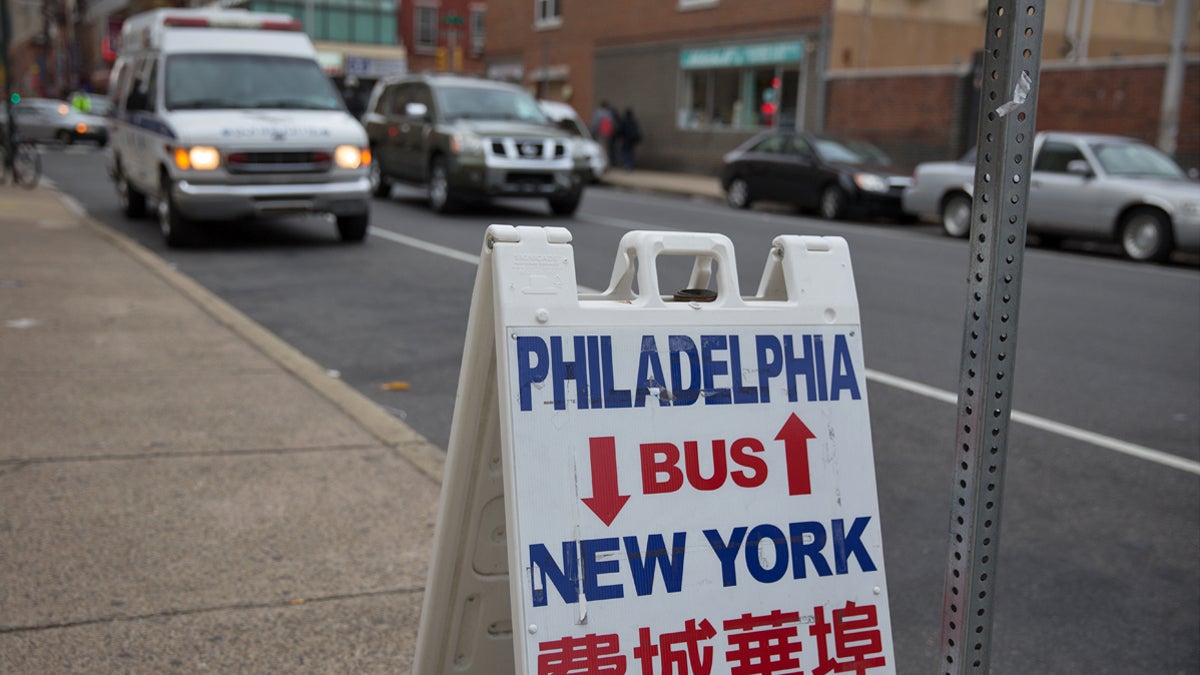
{"x":640,"y":482}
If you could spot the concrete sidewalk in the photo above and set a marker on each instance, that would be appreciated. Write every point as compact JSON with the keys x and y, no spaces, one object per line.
{"x":180,"y":491}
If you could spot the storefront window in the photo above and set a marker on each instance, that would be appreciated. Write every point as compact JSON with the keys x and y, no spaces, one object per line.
{"x":740,"y":88}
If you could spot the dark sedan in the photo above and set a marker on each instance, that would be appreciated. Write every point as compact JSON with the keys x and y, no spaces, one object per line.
{"x":835,"y":177}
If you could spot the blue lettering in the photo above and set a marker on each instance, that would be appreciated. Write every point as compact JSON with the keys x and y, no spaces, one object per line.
{"x":726,"y":553}
{"x":850,"y":545}
{"x":613,"y":398}
{"x":650,"y":374}
{"x":812,"y":551}
{"x":799,"y":365}
{"x":741,"y":393}
{"x":669,"y":562}
{"x":843,"y":370}
{"x":754,"y":560}
{"x":564,"y":579}
{"x":562,"y":370}
{"x":682,"y":345}
{"x":712,"y":368}
{"x":595,"y":397}
{"x":594,"y":567}
{"x":770,"y":363}
{"x":527,"y":372}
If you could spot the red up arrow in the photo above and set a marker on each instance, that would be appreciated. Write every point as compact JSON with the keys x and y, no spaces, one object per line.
{"x":606,"y":501}
{"x":795,"y":436}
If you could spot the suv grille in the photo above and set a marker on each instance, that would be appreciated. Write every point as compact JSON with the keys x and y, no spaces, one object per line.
{"x":519,"y":148}
{"x":314,"y":161}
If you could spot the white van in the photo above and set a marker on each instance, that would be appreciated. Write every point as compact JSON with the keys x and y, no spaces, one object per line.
{"x":224,"y":114}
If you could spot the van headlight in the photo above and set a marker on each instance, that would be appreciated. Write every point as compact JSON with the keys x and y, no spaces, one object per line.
{"x":200,"y":158}
{"x":467,"y":143}
{"x":349,"y":157}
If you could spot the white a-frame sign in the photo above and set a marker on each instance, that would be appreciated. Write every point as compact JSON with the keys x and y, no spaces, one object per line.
{"x":678,"y":483}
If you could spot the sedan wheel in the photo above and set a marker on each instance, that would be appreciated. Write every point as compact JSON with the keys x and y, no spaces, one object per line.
{"x":956,"y":215}
{"x":738,"y":194}
{"x":833,"y":203}
{"x":1146,"y":235}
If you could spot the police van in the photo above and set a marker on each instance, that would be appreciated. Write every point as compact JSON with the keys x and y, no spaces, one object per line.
{"x":224,"y":114}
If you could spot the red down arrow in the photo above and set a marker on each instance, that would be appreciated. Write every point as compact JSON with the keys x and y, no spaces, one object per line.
{"x":606,"y":500}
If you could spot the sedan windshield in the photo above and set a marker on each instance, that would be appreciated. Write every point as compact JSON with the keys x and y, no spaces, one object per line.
{"x":836,"y":151}
{"x":1135,"y":159}
{"x":489,"y":104}
{"x":225,"y":81}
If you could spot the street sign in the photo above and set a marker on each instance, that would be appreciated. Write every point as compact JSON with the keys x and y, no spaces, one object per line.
{"x":683,"y":481}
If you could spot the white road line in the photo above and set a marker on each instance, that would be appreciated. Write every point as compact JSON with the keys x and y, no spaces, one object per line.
{"x":422,"y":245}
{"x":1099,"y":440}
{"x":1131,"y":449}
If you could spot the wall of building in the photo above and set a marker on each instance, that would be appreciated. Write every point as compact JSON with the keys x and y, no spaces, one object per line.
{"x":928,"y":112}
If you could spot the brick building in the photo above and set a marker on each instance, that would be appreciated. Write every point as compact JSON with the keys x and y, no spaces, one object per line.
{"x":704,"y":75}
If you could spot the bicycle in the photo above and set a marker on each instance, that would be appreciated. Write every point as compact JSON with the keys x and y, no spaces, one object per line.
{"x":26,"y":164}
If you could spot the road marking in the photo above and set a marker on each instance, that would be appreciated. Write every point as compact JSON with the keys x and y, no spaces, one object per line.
{"x":1066,"y":430}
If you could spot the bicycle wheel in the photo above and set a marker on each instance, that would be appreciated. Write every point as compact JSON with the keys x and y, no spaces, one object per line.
{"x":27,"y":165}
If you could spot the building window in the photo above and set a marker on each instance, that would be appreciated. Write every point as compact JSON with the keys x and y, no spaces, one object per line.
{"x":478,"y":33}
{"x":425,"y":31}
{"x":547,"y":13}
{"x":741,"y":87}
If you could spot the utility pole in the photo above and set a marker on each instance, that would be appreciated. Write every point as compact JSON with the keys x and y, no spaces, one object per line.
{"x":1168,"y":125}
{"x":5,"y":39}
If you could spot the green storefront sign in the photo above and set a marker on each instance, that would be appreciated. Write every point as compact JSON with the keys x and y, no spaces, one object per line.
{"x":742,"y":55}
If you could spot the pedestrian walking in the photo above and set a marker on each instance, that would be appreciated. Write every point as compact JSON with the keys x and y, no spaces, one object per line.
{"x":604,"y":128}
{"x":631,"y":135}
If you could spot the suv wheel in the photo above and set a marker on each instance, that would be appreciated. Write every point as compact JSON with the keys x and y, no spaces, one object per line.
{"x":565,"y":206}
{"x":439,"y":187}
{"x":352,"y":228}
{"x":381,"y":185}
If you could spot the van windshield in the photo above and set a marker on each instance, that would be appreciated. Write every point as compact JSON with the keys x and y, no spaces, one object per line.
{"x":223,"y":81}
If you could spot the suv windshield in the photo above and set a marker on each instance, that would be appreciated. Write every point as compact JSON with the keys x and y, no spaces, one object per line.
{"x":1135,"y":159}
{"x":210,"y":81}
{"x":488,"y":104}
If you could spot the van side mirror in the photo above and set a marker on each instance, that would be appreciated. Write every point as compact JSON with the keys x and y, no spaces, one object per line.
{"x":416,"y":110}
{"x":1080,"y":167}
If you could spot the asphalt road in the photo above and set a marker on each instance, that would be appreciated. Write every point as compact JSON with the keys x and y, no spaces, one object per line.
{"x":1099,"y":566}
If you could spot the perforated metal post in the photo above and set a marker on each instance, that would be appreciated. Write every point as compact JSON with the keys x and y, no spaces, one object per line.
{"x":1011,"y":65}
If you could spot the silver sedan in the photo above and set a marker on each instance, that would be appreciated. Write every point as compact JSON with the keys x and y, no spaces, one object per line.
{"x":48,"y":120}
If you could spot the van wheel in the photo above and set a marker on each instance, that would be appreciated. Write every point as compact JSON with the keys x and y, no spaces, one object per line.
{"x":352,"y":228}
{"x":176,"y":230}
{"x":440,"y":200}
{"x":133,"y":202}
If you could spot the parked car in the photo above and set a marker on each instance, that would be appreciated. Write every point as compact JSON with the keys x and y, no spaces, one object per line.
{"x":565,"y":117}
{"x":1082,"y":186}
{"x":834,"y":176}
{"x":50,"y":120}
{"x":467,"y":138}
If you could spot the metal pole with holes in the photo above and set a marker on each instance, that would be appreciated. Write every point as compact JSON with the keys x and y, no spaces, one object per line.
{"x":1012,"y":58}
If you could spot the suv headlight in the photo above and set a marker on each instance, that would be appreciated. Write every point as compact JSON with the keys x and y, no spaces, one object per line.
{"x":466,"y":143}
{"x":870,"y":182}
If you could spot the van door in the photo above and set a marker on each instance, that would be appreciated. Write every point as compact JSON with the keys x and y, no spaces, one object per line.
{"x":140,"y":145}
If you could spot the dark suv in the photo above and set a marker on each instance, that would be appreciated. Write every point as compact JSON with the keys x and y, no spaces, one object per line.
{"x":467,"y":138}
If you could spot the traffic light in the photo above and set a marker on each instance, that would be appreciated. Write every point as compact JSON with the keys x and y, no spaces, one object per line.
{"x":15,"y":98}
